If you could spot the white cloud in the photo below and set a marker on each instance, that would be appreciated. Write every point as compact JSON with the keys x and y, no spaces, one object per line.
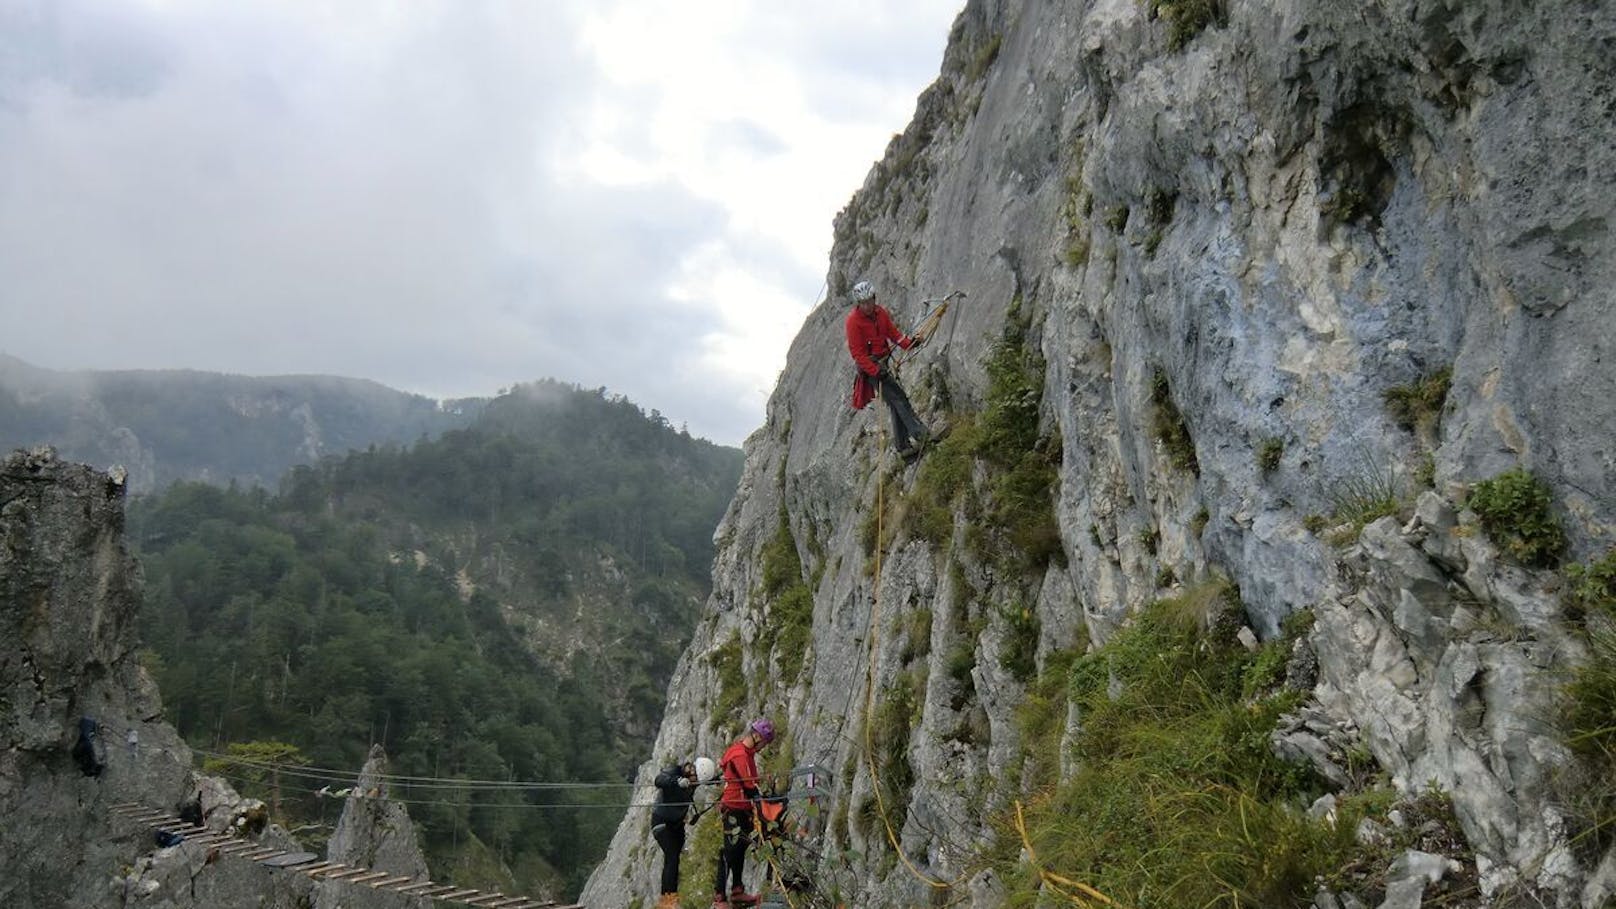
{"x":446,"y":197}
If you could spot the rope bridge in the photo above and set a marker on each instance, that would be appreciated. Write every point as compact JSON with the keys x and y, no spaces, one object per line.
{"x":309,"y":865}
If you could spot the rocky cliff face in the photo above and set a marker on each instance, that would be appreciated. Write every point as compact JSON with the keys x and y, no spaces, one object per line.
{"x":69,"y":596}
{"x":1222,"y":244}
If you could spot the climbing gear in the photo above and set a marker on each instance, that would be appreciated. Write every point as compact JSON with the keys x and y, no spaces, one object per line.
{"x":929,"y":324}
{"x":706,"y":770}
{"x":764,"y":729}
{"x":863,"y":291}
{"x":91,"y":754}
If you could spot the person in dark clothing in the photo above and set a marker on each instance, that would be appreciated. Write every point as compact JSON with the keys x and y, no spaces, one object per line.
{"x":871,"y":336}
{"x":676,"y":785}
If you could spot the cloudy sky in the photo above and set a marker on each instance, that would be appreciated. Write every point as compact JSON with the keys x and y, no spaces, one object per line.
{"x":446,"y":197}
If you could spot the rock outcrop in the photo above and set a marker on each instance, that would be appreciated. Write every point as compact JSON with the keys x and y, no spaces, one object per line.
{"x":1226,"y":242}
{"x":69,"y":593}
{"x":375,"y":832}
{"x":69,"y":598}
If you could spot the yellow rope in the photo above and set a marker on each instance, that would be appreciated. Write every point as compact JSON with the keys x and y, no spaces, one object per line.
{"x":1055,"y":881}
{"x":869,"y":690}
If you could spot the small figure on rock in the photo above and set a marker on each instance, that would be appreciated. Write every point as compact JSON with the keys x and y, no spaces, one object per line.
{"x":676,"y":786}
{"x":871,"y":336}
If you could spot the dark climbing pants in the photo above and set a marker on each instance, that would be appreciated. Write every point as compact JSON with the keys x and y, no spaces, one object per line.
{"x":905,"y":425}
{"x":732,"y":855}
{"x":671,"y":837}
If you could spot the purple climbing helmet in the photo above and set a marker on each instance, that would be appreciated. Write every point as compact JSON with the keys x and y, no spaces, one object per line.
{"x":764,"y":729}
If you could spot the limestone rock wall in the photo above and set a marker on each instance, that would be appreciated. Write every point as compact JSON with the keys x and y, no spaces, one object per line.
{"x":1274,"y":220}
{"x":69,"y":601}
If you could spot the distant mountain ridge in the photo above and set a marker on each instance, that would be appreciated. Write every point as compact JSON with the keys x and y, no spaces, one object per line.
{"x":168,"y":425}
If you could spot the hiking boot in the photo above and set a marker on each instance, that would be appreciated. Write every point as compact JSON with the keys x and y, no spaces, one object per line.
{"x":668,"y":901}
{"x":739,"y":897}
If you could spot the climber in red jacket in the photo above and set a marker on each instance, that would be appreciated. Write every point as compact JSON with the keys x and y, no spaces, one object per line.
{"x":735,"y":807}
{"x":870,"y":339}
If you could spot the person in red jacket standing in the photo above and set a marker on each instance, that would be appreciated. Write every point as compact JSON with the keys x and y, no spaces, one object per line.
{"x":735,"y":807}
{"x":870,"y":339}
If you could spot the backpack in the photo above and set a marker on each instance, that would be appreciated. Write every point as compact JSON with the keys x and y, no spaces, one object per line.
{"x":88,"y":750}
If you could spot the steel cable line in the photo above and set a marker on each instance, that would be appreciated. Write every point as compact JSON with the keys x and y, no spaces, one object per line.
{"x":325,"y":774}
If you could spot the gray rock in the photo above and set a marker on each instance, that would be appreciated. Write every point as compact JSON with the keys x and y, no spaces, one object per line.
{"x":1408,"y":877}
{"x":374,"y":831}
{"x":69,"y":598}
{"x":1600,"y":891}
{"x":1347,"y":197}
{"x":1323,"y":809}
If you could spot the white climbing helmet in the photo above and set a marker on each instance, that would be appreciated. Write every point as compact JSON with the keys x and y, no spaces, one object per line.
{"x":705,"y":769}
{"x":863,"y":291}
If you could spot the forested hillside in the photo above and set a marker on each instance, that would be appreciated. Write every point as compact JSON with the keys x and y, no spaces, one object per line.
{"x":505,"y":602}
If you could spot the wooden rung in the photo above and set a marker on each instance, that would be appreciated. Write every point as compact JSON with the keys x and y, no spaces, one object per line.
{"x":392,"y":882}
{"x":121,"y":805}
{"x":314,"y":869}
{"x":347,"y":874}
{"x":437,"y":891}
{"x":329,"y":869}
{"x":511,"y":902}
{"x":369,"y":877}
{"x":416,"y":888}
{"x":456,"y":894}
{"x":483,"y":901}
{"x":240,"y":848}
{"x":262,"y":854}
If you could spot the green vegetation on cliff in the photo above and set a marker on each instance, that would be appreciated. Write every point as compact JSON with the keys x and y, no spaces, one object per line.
{"x":1177,"y":798}
{"x":505,"y":602}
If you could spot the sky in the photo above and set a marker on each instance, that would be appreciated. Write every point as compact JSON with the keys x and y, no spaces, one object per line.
{"x":445,"y":196}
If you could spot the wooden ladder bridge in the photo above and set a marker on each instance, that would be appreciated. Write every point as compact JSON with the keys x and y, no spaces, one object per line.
{"x":309,"y":865}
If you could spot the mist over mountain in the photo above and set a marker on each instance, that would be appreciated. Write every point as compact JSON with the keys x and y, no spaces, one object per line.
{"x":169,"y":425}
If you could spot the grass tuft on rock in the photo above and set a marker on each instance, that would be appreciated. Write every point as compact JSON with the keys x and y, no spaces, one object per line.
{"x":1185,"y":18}
{"x":1178,"y":799}
{"x":791,"y":602}
{"x":1170,"y":428}
{"x":1419,"y":403}
{"x":1517,"y":513}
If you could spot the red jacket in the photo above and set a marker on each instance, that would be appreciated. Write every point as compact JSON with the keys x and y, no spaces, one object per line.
{"x":869,"y":337}
{"x":740,"y":776}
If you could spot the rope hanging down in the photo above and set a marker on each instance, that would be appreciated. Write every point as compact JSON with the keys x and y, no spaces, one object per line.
{"x":869,"y":691}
